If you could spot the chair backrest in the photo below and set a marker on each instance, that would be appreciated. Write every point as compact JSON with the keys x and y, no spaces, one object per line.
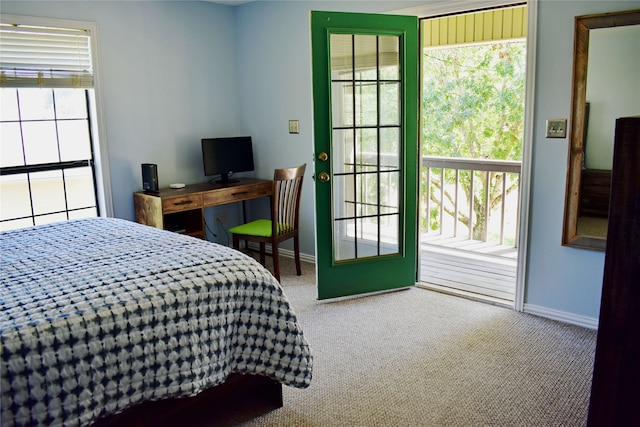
{"x":285,"y":209}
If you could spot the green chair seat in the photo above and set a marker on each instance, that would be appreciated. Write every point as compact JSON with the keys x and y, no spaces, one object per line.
{"x":259,"y":227}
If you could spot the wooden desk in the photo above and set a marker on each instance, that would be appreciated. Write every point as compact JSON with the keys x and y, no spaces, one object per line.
{"x":181,"y":210}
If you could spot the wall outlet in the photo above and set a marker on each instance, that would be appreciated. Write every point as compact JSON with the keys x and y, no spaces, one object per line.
{"x":556,"y":128}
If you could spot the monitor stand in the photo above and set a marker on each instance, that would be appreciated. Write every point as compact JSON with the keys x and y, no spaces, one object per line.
{"x":224,"y":179}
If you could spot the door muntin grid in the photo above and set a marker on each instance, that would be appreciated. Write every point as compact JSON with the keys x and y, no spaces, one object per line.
{"x":367,"y":134}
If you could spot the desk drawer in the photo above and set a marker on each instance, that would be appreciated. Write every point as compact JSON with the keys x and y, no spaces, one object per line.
{"x":236,"y":194}
{"x":181,"y":203}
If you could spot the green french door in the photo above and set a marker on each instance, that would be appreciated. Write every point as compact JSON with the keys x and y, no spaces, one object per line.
{"x":365,"y":90}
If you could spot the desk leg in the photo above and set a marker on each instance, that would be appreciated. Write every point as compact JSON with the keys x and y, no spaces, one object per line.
{"x":244,"y":221}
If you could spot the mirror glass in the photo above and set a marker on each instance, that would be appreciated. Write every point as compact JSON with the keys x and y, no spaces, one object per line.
{"x":606,"y":86}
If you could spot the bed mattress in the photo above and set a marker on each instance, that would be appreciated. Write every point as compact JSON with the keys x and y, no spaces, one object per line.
{"x":97,"y":315}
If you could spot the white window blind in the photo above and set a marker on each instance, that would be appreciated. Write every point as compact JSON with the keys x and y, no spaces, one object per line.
{"x":33,"y":56}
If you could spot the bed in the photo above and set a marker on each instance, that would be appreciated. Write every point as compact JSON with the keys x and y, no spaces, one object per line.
{"x":99,"y":315}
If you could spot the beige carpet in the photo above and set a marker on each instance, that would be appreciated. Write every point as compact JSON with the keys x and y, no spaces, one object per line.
{"x":421,"y":358}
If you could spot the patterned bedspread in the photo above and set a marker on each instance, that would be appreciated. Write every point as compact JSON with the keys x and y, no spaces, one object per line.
{"x":97,"y":315}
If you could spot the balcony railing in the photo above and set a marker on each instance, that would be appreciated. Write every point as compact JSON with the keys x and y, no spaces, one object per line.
{"x":471,"y":198}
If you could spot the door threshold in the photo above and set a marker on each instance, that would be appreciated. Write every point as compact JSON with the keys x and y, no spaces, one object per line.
{"x":464,"y":294}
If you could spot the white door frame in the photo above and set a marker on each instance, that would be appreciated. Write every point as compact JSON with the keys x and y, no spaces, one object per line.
{"x":456,"y":6}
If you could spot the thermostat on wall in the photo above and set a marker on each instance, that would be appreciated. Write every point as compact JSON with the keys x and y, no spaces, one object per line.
{"x":178,"y":185}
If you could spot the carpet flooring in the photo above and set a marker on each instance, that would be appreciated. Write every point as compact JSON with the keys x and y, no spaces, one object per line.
{"x":420,"y":358}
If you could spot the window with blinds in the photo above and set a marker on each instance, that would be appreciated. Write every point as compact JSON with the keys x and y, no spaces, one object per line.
{"x":44,"y":57}
{"x":47,"y":171}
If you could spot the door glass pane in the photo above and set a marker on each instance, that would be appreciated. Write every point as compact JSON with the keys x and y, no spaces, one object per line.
{"x":366,"y":56}
{"x":366,"y":171}
{"x":389,"y":194}
{"x":341,"y":52}
{"x":389,"y":104}
{"x":343,"y":248}
{"x":389,"y":237}
{"x":343,"y":158}
{"x":366,"y":104}
{"x":342,"y":104}
{"x":389,"y":57}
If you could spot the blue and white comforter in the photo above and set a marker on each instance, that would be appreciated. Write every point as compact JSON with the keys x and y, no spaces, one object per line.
{"x":97,"y":315}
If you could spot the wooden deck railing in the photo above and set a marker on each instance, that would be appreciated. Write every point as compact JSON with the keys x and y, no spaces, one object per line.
{"x":450,"y":189}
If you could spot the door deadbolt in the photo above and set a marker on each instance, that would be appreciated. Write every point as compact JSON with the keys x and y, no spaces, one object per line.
{"x":323,"y":177}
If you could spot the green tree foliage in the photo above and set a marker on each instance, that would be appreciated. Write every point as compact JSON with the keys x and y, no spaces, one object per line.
{"x":473,"y":107}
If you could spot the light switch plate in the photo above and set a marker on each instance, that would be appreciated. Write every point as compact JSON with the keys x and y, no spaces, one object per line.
{"x":556,"y":128}
{"x":294,"y":126}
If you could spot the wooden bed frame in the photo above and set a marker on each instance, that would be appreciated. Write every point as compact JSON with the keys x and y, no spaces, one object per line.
{"x":261,"y":394}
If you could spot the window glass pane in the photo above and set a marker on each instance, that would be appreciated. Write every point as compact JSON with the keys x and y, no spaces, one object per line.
{"x":11,"y":147}
{"x":79,"y":186}
{"x":70,"y":104}
{"x":47,"y":192}
{"x":16,"y":223}
{"x":74,"y":140}
{"x":83,"y":213}
{"x":40,"y":143}
{"x":48,"y":219}
{"x":9,"y":106}
{"x":36,"y":104}
{"x":15,"y":201}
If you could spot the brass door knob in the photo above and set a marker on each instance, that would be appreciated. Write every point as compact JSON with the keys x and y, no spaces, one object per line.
{"x":324,"y":177}
{"x":323,"y":157}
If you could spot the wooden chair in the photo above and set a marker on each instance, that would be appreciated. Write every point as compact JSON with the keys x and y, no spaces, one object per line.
{"x":283,"y":225}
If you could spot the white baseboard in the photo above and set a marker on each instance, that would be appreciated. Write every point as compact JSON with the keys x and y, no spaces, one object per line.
{"x":284,"y":252}
{"x":562,"y":316}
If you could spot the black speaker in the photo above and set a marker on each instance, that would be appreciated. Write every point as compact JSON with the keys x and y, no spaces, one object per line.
{"x":150,"y":178}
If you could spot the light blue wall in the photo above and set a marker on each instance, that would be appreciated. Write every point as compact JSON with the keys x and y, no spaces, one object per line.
{"x":559,"y":278}
{"x":247,"y":70}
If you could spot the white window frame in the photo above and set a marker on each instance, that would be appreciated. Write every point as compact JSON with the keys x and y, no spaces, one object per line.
{"x":100,"y":149}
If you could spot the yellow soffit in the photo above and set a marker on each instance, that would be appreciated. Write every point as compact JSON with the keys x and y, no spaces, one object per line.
{"x":499,"y":24}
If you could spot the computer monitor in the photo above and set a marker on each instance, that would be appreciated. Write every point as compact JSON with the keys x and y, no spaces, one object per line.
{"x":226,"y":156}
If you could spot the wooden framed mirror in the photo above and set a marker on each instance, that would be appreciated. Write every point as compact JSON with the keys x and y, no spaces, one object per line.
{"x":587,"y":194}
